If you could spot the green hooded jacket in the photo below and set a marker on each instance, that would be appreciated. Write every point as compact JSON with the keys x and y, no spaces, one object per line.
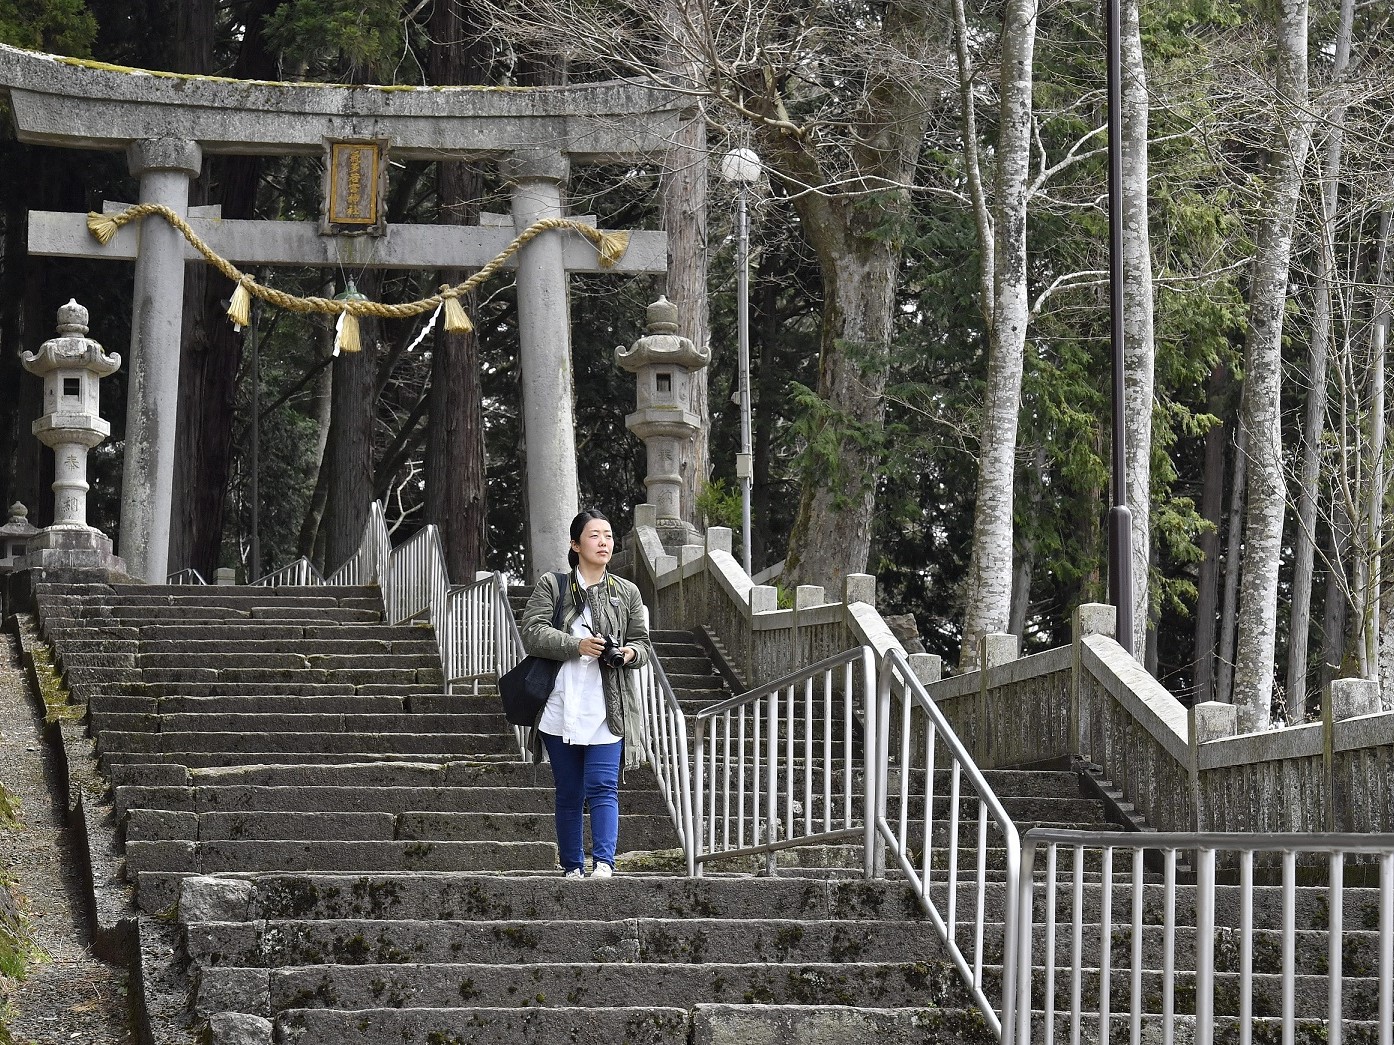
{"x":617,"y":610}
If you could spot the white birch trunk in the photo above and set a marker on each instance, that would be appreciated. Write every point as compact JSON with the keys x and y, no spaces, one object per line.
{"x":1304,"y":539}
{"x":1260,"y":410}
{"x":1373,"y":537}
{"x":1229,"y":600}
{"x":989,"y":590}
{"x":1138,"y":344}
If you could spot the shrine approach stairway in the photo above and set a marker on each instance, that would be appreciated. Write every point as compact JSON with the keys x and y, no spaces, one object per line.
{"x":320,"y":846}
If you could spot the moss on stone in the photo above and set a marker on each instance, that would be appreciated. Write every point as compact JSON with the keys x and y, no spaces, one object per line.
{"x":18,"y":951}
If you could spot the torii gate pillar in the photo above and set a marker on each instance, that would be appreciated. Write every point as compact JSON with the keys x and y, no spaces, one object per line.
{"x":165,"y":167}
{"x":544,"y":338}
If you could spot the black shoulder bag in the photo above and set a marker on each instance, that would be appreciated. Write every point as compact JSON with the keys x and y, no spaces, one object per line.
{"x":526,"y":686}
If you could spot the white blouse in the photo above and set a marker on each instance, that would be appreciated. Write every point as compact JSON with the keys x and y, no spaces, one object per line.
{"x":576,"y":709}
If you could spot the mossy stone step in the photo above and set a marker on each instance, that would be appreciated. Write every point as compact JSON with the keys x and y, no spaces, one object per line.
{"x":458,"y":744}
{"x":637,"y":1025}
{"x":111,"y":761}
{"x":283,"y":631}
{"x":369,"y":772}
{"x":388,"y":799}
{"x":543,"y":897}
{"x":336,"y":703}
{"x":265,"y":992}
{"x":163,"y":825}
{"x":303,"y":722}
{"x":636,"y":831}
{"x":702,"y":1025}
{"x":660,"y":940}
{"x":326,"y":856}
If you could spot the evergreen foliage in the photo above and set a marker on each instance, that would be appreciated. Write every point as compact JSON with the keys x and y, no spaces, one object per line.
{"x":1206,"y":65}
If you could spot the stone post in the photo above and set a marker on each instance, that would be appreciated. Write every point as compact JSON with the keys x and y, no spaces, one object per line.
{"x":544,"y":345}
{"x":1206,"y":721}
{"x":1345,"y":699}
{"x":165,"y":167}
{"x":72,"y":366}
{"x":662,"y":364}
{"x":1090,"y":618}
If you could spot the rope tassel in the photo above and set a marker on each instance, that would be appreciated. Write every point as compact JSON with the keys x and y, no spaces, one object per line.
{"x":102,"y":227}
{"x":611,"y":246}
{"x":239,"y":310}
{"x":456,"y":320}
{"x":346,"y":334}
{"x":346,"y":327}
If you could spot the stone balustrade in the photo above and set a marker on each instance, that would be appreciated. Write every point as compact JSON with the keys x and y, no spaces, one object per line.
{"x":1183,"y":769}
{"x":704,"y":586}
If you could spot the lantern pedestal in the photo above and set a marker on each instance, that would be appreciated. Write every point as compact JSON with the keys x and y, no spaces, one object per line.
{"x":662,"y":363}
{"x":72,"y":366}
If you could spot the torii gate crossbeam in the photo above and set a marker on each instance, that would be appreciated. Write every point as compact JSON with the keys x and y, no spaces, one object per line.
{"x":166,"y":123}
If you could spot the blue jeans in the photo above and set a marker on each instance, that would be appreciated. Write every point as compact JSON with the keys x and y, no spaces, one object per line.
{"x":585,"y":775}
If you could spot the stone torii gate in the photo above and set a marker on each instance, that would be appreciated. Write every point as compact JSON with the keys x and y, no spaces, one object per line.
{"x":166,"y":123}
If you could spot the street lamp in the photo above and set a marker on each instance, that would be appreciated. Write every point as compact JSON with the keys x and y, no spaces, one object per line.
{"x":742,"y":167}
{"x":1120,"y":520}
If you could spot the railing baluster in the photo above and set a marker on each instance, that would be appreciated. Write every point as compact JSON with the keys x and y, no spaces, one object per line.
{"x":1205,"y":946}
{"x":1105,"y":942}
{"x":1386,"y":949}
{"x":1169,"y":949}
{"x":1135,"y":988}
{"x":1246,"y":948}
{"x":1052,"y":860}
{"x":1077,"y":945}
{"x":1335,"y":928}
{"x":808,"y":766}
{"x":1289,"y":947}
{"x":828,"y":747}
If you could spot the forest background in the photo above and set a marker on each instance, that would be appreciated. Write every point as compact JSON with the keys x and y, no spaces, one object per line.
{"x":929,"y":308}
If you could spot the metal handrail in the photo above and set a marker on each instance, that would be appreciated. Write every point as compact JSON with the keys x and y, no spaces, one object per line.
{"x":468,"y":632}
{"x":753,"y":720}
{"x":665,"y":740}
{"x":1206,"y":846}
{"x":295,"y":574}
{"x":188,"y":575}
{"x":510,"y":652}
{"x":925,"y":742}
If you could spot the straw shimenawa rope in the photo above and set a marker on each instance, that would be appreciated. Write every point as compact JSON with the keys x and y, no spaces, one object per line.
{"x":610,"y":245}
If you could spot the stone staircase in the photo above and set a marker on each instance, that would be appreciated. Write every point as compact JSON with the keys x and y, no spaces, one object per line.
{"x":319,"y":846}
{"x":323,"y":847}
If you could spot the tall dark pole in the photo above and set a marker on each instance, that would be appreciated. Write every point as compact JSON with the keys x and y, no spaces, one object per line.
{"x":254,"y":480}
{"x":742,"y":166}
{"x":744,"y":472}
{"x":1120,"y":520}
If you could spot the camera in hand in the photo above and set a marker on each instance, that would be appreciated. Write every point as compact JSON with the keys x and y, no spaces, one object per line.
{"x":612,"y":656}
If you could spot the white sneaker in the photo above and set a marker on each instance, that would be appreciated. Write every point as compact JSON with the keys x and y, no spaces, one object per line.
{"x":603,"y":870}
{"x":575,"y":872}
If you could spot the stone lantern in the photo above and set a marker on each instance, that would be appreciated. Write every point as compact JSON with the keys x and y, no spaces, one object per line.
{"x":662,"y":364}
{"x":72,"y":366}
{"x":14,"y":538}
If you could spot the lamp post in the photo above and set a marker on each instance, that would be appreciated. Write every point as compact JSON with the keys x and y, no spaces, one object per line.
{"x":742,"y":167}
{"x":1120,"y":520}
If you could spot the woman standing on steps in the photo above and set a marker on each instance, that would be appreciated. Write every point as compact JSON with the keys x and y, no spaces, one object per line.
{"x":594,"y":705}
